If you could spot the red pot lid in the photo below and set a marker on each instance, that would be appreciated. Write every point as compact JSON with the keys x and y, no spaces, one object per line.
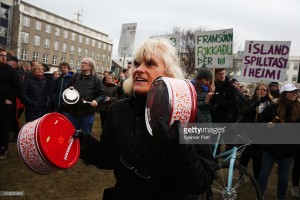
{"x":55,"y":141}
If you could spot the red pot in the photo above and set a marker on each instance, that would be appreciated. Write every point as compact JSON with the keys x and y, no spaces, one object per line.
{"x":46,"y":144}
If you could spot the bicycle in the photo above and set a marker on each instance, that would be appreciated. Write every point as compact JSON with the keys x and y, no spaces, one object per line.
{"x":232,"y":180}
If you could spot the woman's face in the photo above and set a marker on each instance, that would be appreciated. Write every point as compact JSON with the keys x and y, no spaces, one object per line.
{"x":291,"y":96}
{"x":145,"y":73}
{"x":262,"y":90}
{"x":109,"y":79}
{"x":38,"y":70}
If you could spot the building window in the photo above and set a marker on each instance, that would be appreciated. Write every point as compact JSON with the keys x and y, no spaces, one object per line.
{"x":57,"y":31}
{"x":104,"y":46}
{"x":23,"y":54}
{"x":5,"y":13}
{"x":73,"y":36}
{"x":86,"y":53}
{"x":54,"y":60}
{"x":65,"y":34}
{"x":296,"y":66}
{"x":63,"y":59}
{"x":45,"y":58}
{"x":26,"y":21}
{"x":72,"y":49}
{"x":93,"y":43}
{"x":38,"y":25}
{"x":48,"y":28}
{"x":36,"y":40}
{"x":109,"y":47}
{"x":79,"y":51}
{"x":56,"y":45}
{"x":98,"y":56}
{"x":35,"y":56}
{"x":92,"y":54}
{"x":87,"y":41}
{"x":3,"y":31}
{"x":108,"y":59}
{"x":80,"y":38}
{"x":99,"y":45}
{"x":294,"y":78}
{"x":47,"y":43}
{"x":64,"y":47}
{"x":24,"y":37}
{"x":103,"y":57}
{"x":78,"y":64}
{"x":71,"y":63}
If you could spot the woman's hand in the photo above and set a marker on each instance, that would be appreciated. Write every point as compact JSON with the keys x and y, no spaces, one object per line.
{"x":94,"y":104}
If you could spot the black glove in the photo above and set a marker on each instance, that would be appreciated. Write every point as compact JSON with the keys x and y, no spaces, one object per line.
{"x":167,"y":139}
{"x":256,"y":103}
{"x":84,"y":138}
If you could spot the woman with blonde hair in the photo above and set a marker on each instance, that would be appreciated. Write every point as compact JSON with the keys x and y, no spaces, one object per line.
{"x":145,"y":166}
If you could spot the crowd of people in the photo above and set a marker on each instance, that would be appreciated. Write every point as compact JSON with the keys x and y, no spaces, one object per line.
{"x":145,"y":166}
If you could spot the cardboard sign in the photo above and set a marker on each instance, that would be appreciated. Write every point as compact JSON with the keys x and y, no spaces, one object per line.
{"x":265,"y":61}
{"x":214,"y":49}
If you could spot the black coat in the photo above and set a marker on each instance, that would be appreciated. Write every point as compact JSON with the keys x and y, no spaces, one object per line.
{"x":90,"y":88}
{"x":278,"y":150}
{"x":125,"y":128}
{"x":60,"y":84}
{"x":36,"y":97}
{"x":225,"y":97}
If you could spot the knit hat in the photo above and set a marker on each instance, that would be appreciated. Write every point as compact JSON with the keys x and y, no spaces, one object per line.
{"x":204,"y":73}
{"x":13,"y":58}
{"x":273,"y":84}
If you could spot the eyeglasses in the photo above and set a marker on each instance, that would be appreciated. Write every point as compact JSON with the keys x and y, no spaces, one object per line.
{"x":84,"y":63}
{"x":2,"y":55}
{"x":132,"y":162}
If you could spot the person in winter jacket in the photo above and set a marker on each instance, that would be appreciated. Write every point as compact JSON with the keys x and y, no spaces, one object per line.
{"x":145,"y":166}
{"x":205,"y":91}
{"x":35,"y":94}
{"x":60,"y":84}
{"x":286,"y":110}
{"x":110,"y":92}
{"x":252,"y":114}
{"x":10,"y":89}
{"x":89,"y":87}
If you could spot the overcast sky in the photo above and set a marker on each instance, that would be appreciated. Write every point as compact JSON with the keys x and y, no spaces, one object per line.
{"x":271,"y":20}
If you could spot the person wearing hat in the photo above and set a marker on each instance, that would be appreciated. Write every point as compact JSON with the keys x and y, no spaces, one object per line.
{"x":274,"y":89}
{"x":286,"y":110}
{"x":205,"y":91}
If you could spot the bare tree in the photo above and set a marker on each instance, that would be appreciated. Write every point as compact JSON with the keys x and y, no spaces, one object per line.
{"x":187,"y":50}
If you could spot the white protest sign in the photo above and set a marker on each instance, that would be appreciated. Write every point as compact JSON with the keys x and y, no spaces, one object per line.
{"x":173,"y":38}
{"x":265,"y":61}
{"x":214,"y":49}
{"x":127,"y":38}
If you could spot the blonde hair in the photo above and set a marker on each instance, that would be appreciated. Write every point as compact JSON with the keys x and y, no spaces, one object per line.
{"x":36,"y":66}
{"x":159,"y":48}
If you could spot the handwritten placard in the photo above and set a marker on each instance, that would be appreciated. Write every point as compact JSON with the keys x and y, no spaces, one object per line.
{"x":265,"y":61}
{"x":214,"y":49}
{"x":174,"y":39}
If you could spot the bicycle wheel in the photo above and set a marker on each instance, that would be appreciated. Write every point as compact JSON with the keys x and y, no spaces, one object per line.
{"x":243,"y":187}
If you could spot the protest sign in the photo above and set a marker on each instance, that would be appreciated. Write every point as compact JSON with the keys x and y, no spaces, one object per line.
{"x":127,"y":39}
{"x":265,"y":61}
{"x":214,"y":49}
